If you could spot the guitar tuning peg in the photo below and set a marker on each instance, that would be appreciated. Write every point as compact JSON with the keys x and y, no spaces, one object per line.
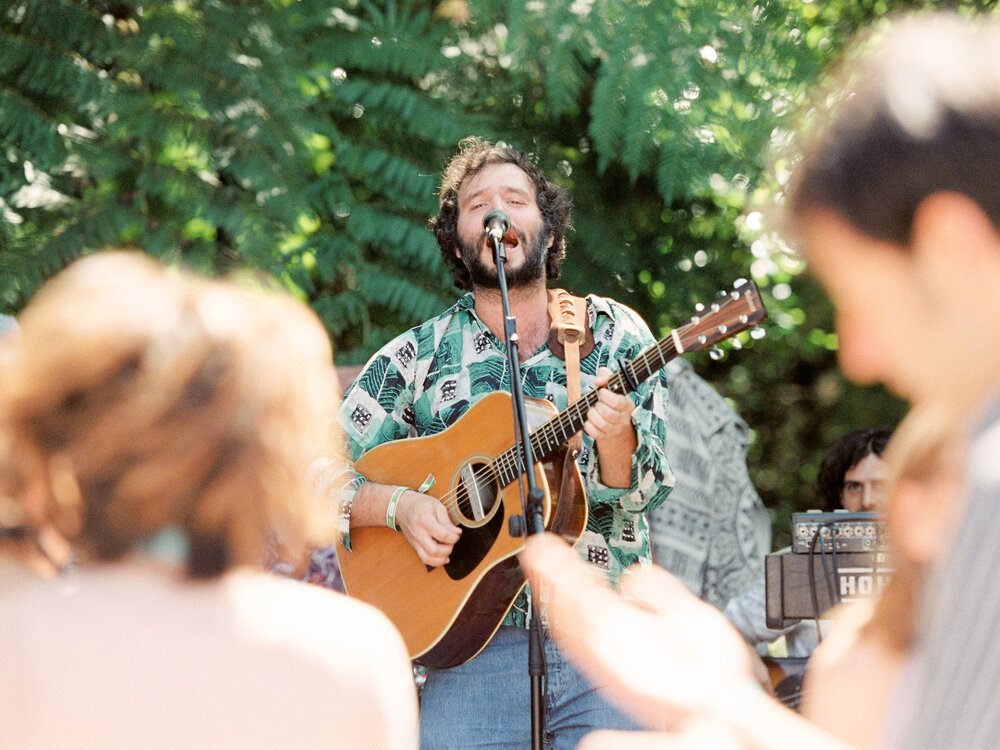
{"x":737,"y":344}
{"x":720,"y":294}
{"x":738,"y":283}
{"x":698,"y":308}
{"x":716,"y":353}
{"x":757,"y":333}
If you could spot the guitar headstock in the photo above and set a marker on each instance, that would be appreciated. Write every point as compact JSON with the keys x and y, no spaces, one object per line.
{"x":726,"y":316}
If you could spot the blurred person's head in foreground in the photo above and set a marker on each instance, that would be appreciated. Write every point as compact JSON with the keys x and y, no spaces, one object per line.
{"x":896,"y":206}
{"x":140,"y":401}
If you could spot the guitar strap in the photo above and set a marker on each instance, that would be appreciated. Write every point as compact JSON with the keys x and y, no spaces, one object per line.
{"x":570,"y":339}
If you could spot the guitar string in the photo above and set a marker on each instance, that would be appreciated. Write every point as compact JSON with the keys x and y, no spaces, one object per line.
{"x":509,"y":464}
{"x":641,"y":368}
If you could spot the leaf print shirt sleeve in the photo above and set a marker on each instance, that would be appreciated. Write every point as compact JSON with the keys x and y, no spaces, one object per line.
{"x":376,"y":409}
{"x":626,"y":336}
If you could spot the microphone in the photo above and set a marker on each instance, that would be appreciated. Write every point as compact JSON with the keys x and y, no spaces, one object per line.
{"x":495,"y":224}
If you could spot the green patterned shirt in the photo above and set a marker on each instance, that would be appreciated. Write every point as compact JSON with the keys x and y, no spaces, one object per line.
{"x":425,"y":379}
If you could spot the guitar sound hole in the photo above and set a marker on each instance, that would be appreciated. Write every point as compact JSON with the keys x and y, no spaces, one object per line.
{"x":477,"y":492}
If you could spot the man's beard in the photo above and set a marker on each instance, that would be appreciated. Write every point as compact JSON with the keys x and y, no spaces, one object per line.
{"x":531,"y":270}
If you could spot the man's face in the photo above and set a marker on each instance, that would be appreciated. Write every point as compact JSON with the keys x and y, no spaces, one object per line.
{"x":864,"y":485}
{"x":880,"y":307}
{"x":507,"y":188}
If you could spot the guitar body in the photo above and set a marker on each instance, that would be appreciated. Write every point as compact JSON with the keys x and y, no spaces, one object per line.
{"x":448,"y":614}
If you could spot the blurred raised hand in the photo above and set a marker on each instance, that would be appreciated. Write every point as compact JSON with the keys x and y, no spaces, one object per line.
{"x":669,"y":659}
{"x":663,"y":653}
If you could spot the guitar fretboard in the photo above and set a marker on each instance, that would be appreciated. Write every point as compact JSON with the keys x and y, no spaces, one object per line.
{"x":550,"y":436}
{"x":728,"y":315}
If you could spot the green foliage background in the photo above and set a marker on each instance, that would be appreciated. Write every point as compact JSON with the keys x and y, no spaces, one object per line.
{"x":304,"y":139}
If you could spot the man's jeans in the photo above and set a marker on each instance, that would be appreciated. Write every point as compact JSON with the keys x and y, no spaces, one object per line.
{"x":486,"y":702}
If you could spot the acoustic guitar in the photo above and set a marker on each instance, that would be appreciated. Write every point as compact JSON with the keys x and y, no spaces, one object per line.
{"x":448,"y":614}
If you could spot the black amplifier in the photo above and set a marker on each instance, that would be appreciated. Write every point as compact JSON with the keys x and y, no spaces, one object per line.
{"x":804,"y":587}
{"x":840,"y":530}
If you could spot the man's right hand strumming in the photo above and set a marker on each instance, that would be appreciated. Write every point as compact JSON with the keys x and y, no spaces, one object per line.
{"x":422,"y":519}
{"x":427,"y":527}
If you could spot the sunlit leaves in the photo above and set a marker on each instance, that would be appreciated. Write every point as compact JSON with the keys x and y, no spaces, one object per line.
{"x":671,"y":115}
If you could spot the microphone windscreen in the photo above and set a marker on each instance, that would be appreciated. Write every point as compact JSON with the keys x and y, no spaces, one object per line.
{"x":496,"y":223}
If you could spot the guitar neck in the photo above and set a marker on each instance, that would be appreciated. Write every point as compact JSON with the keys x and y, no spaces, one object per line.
{"x":725,"y":317}
{"x":561,"y":427}
{"x":550,"y":436}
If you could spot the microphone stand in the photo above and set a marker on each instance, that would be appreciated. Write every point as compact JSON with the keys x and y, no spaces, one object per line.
{"x":532,"y":507}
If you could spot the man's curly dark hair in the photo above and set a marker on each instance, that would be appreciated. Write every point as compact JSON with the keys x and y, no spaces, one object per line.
{"x":474,"y":154}
{"x":839,"y":459}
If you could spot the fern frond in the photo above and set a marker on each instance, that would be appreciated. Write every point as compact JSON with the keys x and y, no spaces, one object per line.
{"x":343,"y":313}
{"x":337,"y":256}
{"x":399,"y":295}
{"x":401,"y":241}
{"x":403,"y":57}
{"x":396,"y":179}
{"x":396,"y":108}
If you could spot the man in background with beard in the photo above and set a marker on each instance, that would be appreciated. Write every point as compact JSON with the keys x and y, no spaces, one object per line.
{"x":427,"y":378}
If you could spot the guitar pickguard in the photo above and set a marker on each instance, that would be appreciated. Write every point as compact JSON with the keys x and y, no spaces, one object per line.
{"x":480,"y":516}
{"x":473,"y":546}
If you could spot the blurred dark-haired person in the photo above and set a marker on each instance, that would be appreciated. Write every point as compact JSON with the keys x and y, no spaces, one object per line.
{"x":852,"y":476}
{"x":896,"y":205}
{"x":430,"y":376}
{"x":162,"y":426}
{"x":874,"y":638}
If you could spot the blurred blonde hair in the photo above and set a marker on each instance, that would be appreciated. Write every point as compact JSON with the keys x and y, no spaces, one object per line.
{"x":138,"y":399}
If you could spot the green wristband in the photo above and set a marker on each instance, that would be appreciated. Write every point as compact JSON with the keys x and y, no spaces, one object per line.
{"x":390,"y":511}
